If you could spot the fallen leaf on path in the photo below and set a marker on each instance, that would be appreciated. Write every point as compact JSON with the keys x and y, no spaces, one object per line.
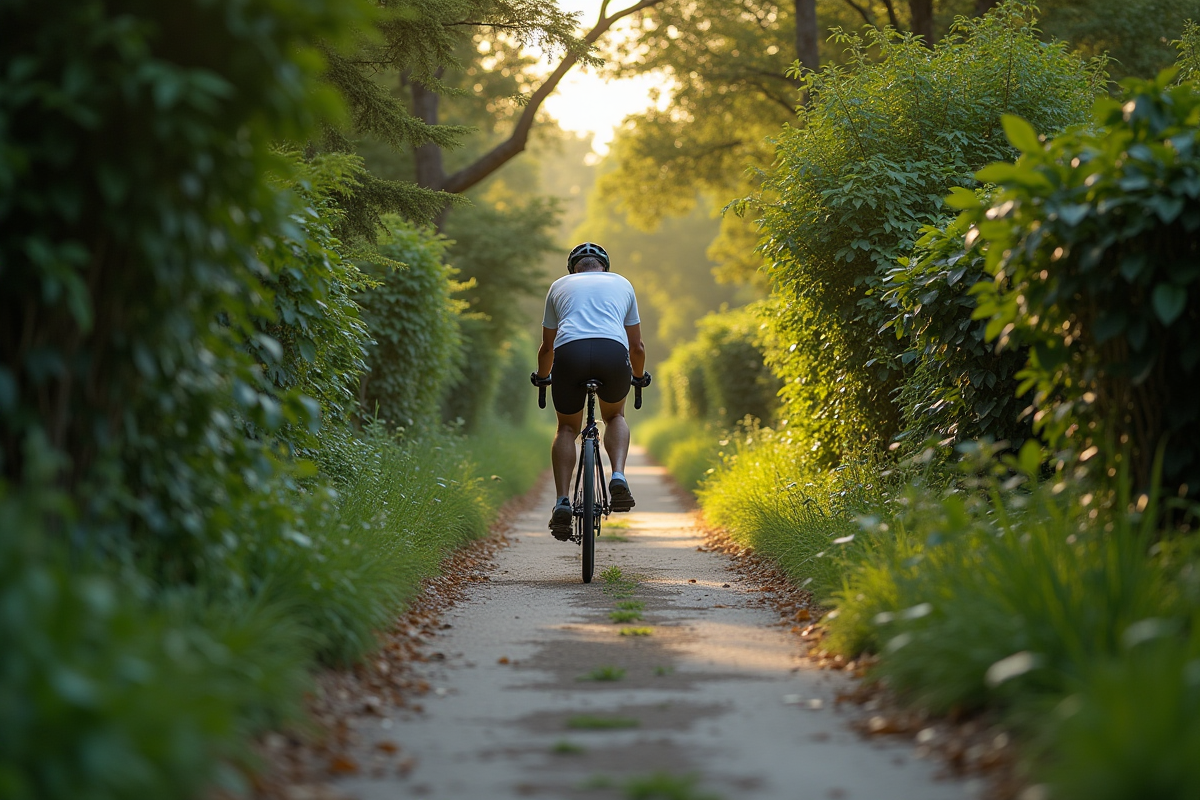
{"x":343,"y":765}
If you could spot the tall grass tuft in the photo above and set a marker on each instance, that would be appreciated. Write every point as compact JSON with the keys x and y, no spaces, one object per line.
{"x":767,"y":496}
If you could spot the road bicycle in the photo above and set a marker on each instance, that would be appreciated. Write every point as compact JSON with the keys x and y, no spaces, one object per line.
{"x":588,"y":509}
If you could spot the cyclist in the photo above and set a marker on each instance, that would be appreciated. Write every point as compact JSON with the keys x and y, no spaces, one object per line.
{"x":591,"y":330}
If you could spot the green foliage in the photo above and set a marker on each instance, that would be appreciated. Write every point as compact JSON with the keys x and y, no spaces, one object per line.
{"x":686,"y":447}
{"x":1058,"y":591}
{"x":1092,"y":242}
{"x":1188,"y":59}
{"x":498,"y":253}
{"x":414,"y":321}
{"x":109,"y":696}
{"x":768,"y":495}
{"x":138,"y":193}
{"x":1134,"y":35}
{"x":362,"y":556}
{"x":720,"y":375}
{"x":959,"y":387}
{"x":1133,"y":728}
{"x":606,"y":673}
{"x":314,"y":340}
{"x":879,"y":146}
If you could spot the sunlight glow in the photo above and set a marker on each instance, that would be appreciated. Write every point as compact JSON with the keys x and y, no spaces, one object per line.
{"x":586,"y":102}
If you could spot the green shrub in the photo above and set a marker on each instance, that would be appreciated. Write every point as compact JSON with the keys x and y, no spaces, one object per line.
{"x":958,"y":387}
{"x":721,"y":374}
{"x":1092,"y":242}
{"x":414,"y":322}
{"x":879,"y":145}
{"x":140,"y":183}
{"x":109,"y":696}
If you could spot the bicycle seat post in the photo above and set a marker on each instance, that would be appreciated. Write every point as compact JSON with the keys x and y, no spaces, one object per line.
{"x":591,"y":386}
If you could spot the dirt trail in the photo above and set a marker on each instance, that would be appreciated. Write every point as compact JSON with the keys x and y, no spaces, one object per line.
{"x":717,"y":689}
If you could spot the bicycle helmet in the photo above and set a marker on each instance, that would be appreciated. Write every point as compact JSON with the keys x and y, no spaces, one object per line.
{"x":586,"y":250}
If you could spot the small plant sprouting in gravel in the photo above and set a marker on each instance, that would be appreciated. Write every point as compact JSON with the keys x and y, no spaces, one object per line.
{"x":617,"y":585}
{"x":624,"y":616}
{"x":565,"y":748}
{"x":631,"y":605}
{"x":589,"y":722}
{"x":662,"y":671}
{"x":665,"y":786}
{"x":605,"y":673}
{"x":636,"y":631}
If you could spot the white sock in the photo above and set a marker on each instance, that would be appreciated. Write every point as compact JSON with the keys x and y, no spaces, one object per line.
{"x":618,"y":476}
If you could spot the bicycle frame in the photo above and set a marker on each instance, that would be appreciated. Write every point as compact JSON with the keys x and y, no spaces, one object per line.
{"x":590,"y":434}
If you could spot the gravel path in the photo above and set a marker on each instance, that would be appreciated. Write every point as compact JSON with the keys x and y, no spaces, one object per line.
{"x":716,"y":690}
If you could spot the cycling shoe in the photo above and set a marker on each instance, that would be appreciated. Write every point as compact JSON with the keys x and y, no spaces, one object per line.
{"x":560,"y":520}
{"x":622,"y":498}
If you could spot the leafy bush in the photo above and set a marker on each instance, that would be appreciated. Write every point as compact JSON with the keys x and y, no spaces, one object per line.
{"x":879,"y":146}
{"x":1092,"y":240}
{"x":958,"y":388}
{"x":414,"y":321}
{"x":139,"y":184}
{"x":108,"y":696}
{"x":720,"y":375}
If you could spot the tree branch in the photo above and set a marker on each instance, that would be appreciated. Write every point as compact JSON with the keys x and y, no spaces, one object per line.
{"x":502,"y":153}
{"x":863,"y":12}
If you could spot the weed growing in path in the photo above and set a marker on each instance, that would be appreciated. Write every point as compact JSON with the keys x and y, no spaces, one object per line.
{"x":566,"y":748}
{"x":616,"y":584}
{"x":631,"y":605}
{"x":663,"y":671}
{"x":636,"y":631}
{"x":617,"y":525}
{"x":624,"y":616}
{"x":664,"y":786}
{"x":606,"y":673}
{"x":589,"y":722}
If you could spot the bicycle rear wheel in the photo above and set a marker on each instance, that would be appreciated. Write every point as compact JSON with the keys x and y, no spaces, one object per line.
{"x":590,"y":514}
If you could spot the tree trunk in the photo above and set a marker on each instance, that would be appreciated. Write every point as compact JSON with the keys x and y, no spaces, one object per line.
{"x":984,"y":6}
{"x":806,"y":34}
{"x":922,"y":19}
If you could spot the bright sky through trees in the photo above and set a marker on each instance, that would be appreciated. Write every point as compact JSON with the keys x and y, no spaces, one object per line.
{"x":585,"y":101}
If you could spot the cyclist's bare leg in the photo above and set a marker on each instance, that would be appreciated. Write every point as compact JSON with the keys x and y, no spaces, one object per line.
{"x":616,"y":433}
{"x":562,"y":454}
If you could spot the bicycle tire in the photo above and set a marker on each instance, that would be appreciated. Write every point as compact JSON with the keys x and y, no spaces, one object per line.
{"x":590,"y":517}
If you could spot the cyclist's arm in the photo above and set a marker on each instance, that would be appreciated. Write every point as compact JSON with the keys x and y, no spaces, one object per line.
{"x":637,"y":349}
{"x":546,"y":352}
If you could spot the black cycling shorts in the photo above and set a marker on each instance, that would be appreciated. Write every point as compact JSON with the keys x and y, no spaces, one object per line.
{"x":577,"y":362}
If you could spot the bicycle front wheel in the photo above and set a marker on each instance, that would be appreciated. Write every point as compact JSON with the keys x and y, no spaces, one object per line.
{"x":590,"y":514}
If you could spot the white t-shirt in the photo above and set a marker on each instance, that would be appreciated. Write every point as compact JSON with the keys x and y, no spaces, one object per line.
{"x":590,"y":305}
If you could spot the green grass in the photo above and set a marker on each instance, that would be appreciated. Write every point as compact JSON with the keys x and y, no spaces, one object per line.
{"x":605,"y":673}
{"x":564,"y":747}
{"x":631,"y":605}
{"x":663,"y":671}
{"x":616,"y":525}
{"x":616,"y":584}
{"x":665,"y":786}
{"x":768,"y":496}
{"x":589,"y":722}
{"x":624,"y":616}
{"x":687,"y":448}
{"x":643,"y":631}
